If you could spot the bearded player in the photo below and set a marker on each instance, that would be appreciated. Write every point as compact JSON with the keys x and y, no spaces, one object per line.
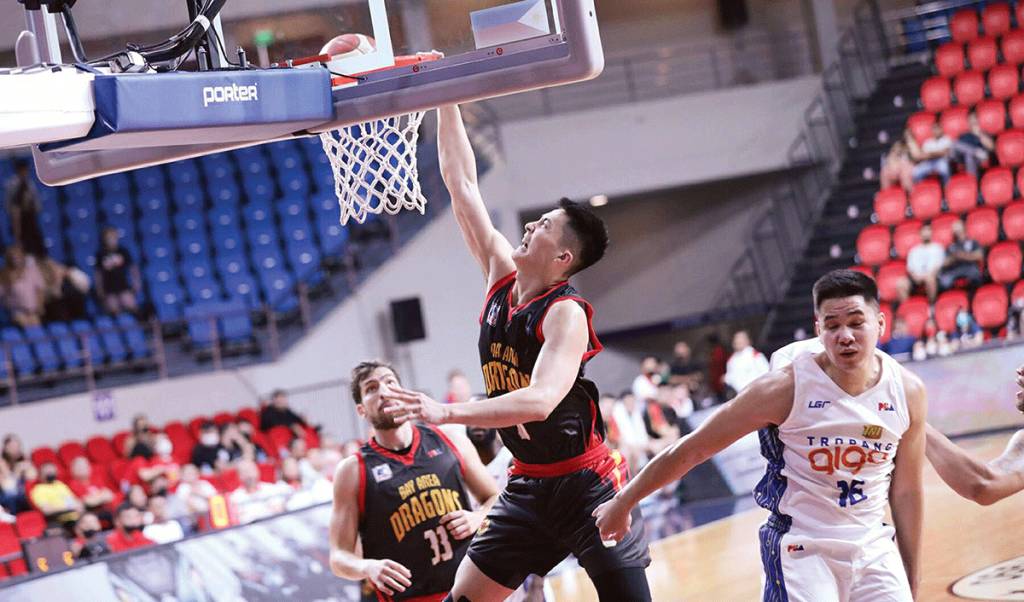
{"x":843,"y":433}
{"x":535,"y":340}
{"x":402,"y":500}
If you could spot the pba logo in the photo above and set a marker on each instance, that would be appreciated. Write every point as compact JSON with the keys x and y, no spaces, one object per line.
{"x":886,"y":407}
{"x":817,"y":404}
{"x":492,"y":315}
{"x":381,"y":472}
{"x":1003,"y":581}
{"x":796,"y":548}
{"x":872,"y":432}
{"x":433,"y":453}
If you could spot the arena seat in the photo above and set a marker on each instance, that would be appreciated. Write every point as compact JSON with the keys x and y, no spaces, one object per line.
{"x":954,"y":121}
{"x":1010,"y":148}
{"x":70,"y":450}
{"x":891,"y":205}
{"x":100,"y":450}
{"x":947,"y":306}
{"x":195,"y":425}
{"x":997,"y":186}
{"x":942,"y":228}
{"x":983,"y":53}
{"x":118,"y":440}
{"x":45,"y":350}
{"x":1018,"y":292}
{"x":280,"y":437}
{"x":889,"y":275}
{"x":990,"y":305}
{"x":1013,"y":47}
{"x":134,"y":336}
{"x":926,"y":199}
{"x":949,"y":59}
{"x":1013,"y":221}
{"x":9,"y":543}
{"x":261,"y":439}
{"x":991,"y":116}
{"x":67,"y":344}
{"x":268,"y":474}
{"x":252,"y":416}
{"x":915,"y":312}
{"x":935,"y":94}
{"x":969,"y":88}
{"x":873,"y":245}
{"x":17,"y":567}
{"x":962,"y":193}
{"x":112,"y":340}
{"x":905,"y":236}
{"x":1005,"y":262}
{"x":229,"y":480}
{"x":21,"y":354}
{"x":995,"y":18}
{"x":83,"y":328}
{"x":982,"y":225}
{"x":919,"y":124}
{"x":963,"y":25}
{"x":42,"y":455}
{"x":886,"y":310}
{"x":863,"y":269}
{"x":1003,"y":82}
{"x":30,"y":524}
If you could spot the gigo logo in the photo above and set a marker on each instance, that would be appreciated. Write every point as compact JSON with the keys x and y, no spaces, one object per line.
{"x":232,"y":93}
{"x":830,"y":459}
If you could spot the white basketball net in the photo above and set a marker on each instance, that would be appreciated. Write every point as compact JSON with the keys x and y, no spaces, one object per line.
{"x":375,"y":166}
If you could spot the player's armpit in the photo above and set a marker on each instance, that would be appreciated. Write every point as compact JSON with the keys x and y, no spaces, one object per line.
{"x":478,"y":479}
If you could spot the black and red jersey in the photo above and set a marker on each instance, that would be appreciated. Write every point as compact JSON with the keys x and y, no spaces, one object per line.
{"x":510,"y":341}
{"x":401,"y":501}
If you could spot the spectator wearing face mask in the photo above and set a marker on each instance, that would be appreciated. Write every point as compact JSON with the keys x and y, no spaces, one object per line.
{"x":209,"y":455}
{"x":162,"y":463}
{"x":193,"y":492}
{"x":163,"y":529}
{"x":54,"y":499}
{"x":245,"y":429}
{"x":127,"y":533}
{"x":645,"y":385}
{"x":86,"y":544}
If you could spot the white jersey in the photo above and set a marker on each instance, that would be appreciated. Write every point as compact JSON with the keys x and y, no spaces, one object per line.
{"x":830,"y":462}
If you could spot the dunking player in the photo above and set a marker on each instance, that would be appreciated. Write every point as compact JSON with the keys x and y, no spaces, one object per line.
{"x":965,"y":473}
{"x":403,"y":497}
{"x":843,"y":432}
{"x":535,"y":339}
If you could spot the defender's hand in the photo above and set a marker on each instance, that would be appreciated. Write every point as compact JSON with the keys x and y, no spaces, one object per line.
{"x":613,"y":519}
{"x":413,"y":406}
{"x":388,"y":576}
{"x":462,"y":523}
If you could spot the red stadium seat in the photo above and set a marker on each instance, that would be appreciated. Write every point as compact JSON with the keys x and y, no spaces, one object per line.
{"x":990,"y":305}
{"x":1018,"y":292}
{"x":969,"y":88}
{"x":915,"y":311}
{"x":935,"y":94}
{"x":920,"y":125}
{"x":9,"y":544}
{"x":177,"y":431}
{"x":119,"y":472}
{"x":17,"y":567}
{"x":223,"y":418}
{"x":268,"y":474}
{"x":252,"y":415}
{"x":1016,"y":111}
{"x":195,"y":425}
{"x":1004,"y":262}
{"x":963,"y":25}
{"x":926,"y":199}
{"x":982,"y":225}
{"x":31,"y":524}
{"x":947,"y":306}
{"x":949,"y":59}
{"x":281,"y":437}
{"x":42,"y":455}
{"x":229,"y":480}
{"x":1010,"y":148}
{"x":118,"y":440}
{"x":1003,"y":82}
{"x":942,"y":228}
{"x":997,"y":186}
{"x":962,"y":193}
{"x":886,"y":310}
{"x":905,"y":236}
{"x":983,"y":53}
{"x":312,"y":438}
{"x":891,"y":205}
{"x":1013,"y":221}
{"x":69,"y":451}
{"x":3,"y":572}
{"x":954,"y":122}
{"x":991,"y":116}
{"x":888,"y":277}
{"x":873,"y":245}
{"x":863,"y":269}
{"x":995,"y":19}
{"x":100,"y":450}
{"x":1013,"y":47}
{"x":261,"y":439}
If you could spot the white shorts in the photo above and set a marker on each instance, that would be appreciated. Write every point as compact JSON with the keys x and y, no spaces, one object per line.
{"x":801,"y":568}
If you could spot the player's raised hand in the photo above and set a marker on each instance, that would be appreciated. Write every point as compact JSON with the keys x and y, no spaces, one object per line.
{"x":387,"y":575}
{"x":412,"y":406}
{"x":462,"y":523}
{"x":613,"y":519}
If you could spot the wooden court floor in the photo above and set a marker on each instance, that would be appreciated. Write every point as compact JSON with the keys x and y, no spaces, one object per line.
{"x":719,"y":562}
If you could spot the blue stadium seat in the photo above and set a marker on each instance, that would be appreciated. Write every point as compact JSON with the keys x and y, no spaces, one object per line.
{"x":21,"y":354}
{"x":154,"y":227}
{"x":292,"y":206}
{"x":236,"y":324}
{"x":154,"y":203}
{"x":80,"y":190}
{"x":67,"y":344}
{"x":223,"y":216}
{"x":81,"y":212}
{"x":305,"y":260}
{"x":92,"y":340}
{"x":223,"y":192}
{"x":279,"y":289}
{"x":196,"y":266}
{"x":116,"y":207}
{"x":167,"y":298}
{"x":286,"y":159}
{"x":189,"y":197}
{"x":297,"y":227}
{"x":45,"y":350}
{"x":149,"y":177}
{"x":134,"y":335}
{"x":267,"y":258}
{"x":3,"y":364}
{"x":113,"y":342}
{"x":254,"y":166}
{"x":227,"y":240}
{"x":158,"y":249}
{"x":114,"y":184}
{"x":194,"y":243}
{"x":185,"y":172}
{"x":323,"y":176}
{"x":260,"y":188}
{"x":188,"y":222}
{"x":160,"y":273}
{"x":312,"y":147}
{"x":333,"y":235}
{"x":205,"y":288}
{"x":257,"y":212}
{"x":294,"y":181}
{"x":243,"y":286}
{"x":217,"y":166}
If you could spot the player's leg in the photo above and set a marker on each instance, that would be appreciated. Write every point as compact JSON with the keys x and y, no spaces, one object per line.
{"x":794,"y":570}
{"x":881,"y":577}
{"x":471,"y":584}
{"x":972,"y":478}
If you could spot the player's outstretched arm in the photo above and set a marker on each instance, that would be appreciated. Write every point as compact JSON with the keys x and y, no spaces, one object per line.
{"x":458,"y":169}
{"x":464,"y":523}
{"x":386,"y":575}
{"x":968,"y":475}
{"x":906,"y":493}
{"x":767,"y":401}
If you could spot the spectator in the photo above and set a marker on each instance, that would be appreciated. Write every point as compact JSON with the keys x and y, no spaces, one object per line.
{"x":92,"y":488}
{"x":923,"y":264}
{"x":645,"y":385}
{"x":232,"y":442}
{"x":160,"y":486}
{"x":117,"y":277}
{"x":22,"y":288}
{"x":1013,"y":318}
{"x":612,"y":434}
{"x":277,"y":413}
{"x":245,"y":429}
{"x":298,"y":449}
{"x":66,"y":291}
{"x":209,"y":455}
{"x":127,"y":533}
{"x":85,"y":544}
{"x":161,"y":463}
{"x":659,"y":418}
{"x":934,"y":342}
{"x":745,"y":364}
{"x":23,"y":208}
{"x":901,"y":340}
{"x":256,"y":499}
{"x":962,"y":260}
{"x":973,"y":147}
{"x":55,"y":499}
{"x":934,"y":156}
{"x":681,"y":403}
{"x":898,"y":166}
{"x":138,"y":498}
{"x":716,"y":366}
{"x":459,"y":389}
{"x":162,"y":529}
{"x":314,"y":491}
{"x":15,"y":474}
{"x":683,"y":370}
{"x":290,"y":474}
{"x":194,"y":492}
{"x":968,"y":334}
{"x":634,"y":443}
{"x":13,"y":455}
{"x":141,"y":440}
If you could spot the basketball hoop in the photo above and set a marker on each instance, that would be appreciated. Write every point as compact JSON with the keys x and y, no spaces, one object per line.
{"x":375,"y":166}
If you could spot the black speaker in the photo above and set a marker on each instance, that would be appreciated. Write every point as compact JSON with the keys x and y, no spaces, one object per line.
{"x":732,"y":14}
{"x":407,"y":320}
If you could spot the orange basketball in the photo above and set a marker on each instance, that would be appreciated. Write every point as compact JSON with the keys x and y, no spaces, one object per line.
{"x":349,"y":43}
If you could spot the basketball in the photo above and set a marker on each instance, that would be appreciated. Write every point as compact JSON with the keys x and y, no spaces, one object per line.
{"x":349,"y":43}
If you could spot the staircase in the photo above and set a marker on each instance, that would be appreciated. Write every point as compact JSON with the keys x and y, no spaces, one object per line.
{"x":849,"y":208}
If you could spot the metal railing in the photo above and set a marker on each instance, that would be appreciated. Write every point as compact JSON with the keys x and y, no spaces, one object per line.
{"x":913,"y":32}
